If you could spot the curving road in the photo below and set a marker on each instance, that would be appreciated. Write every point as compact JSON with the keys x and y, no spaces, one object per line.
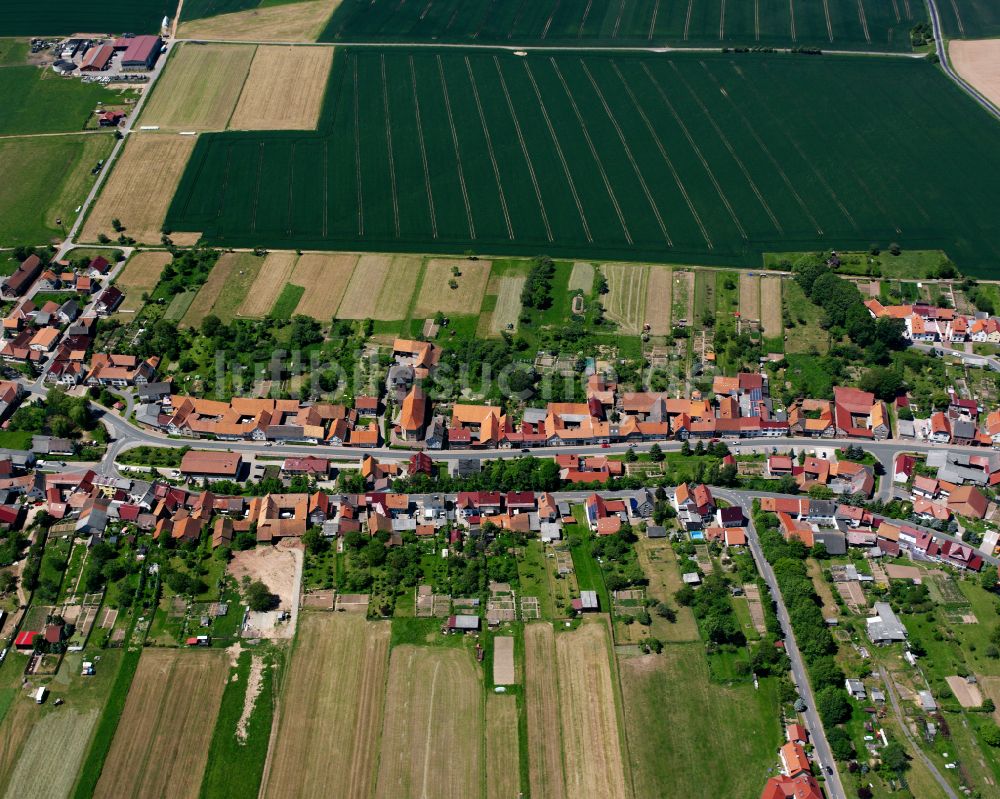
{"x":946,"y":64}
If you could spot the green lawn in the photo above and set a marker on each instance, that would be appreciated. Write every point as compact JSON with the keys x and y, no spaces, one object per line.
{"x":15,"y":439}
{"x":675,"y":716}
{"x":13,"y":52}
{"x":44,"y":179}
{"x":38,"y":100}
{"x":287,"y":301}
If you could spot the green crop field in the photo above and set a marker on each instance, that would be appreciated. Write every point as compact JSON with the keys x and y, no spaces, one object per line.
{"x":45,"y":178}
{"x":39,"y":101}
{"x":970,"y":19}
{"x":27,"y":18}
{"x":840,"y":24}
{"x":697,"y":159}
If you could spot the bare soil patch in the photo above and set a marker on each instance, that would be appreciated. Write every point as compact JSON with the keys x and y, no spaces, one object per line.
{"x":331,"y":710}
{"x":542,"y":704}
{"x":284,"y":90}
{"x":967,"y":694}
{"x":280,"y":569}
{"x":659,"y":300}
{"x":324,"y":276}
{"x":140,"y":188}
{"x":291,"y":22}
{"x":433,"y":729}
{"x":140,"y":275}
{"x":274,"y":274}
{"x":437,"y":295}
{"x":581,"y":278}
{"x":199,"y":87}
{"x":361,"y":298}
{"x":978,"y":62}
{"x":502,"y":756}
{"x":161,"y":745}
{"x":770,"y":306}
{"x":503,"y":660}
{"x":588,"y":713}
{"x":508,"y":307}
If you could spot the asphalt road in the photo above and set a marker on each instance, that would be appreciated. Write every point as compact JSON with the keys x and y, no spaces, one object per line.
{"x":817,"y":735}
{"x":942,"y":52}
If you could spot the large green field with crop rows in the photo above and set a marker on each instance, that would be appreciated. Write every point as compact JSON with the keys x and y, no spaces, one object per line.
{"x":970,"y":19}
{"x":835,"y":24}
{"x":693,"y":158}
{"x":32,"y":18}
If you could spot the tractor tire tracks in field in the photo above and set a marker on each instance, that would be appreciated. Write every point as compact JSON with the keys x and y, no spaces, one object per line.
{"x":593,"y":150}
{"x":524,"y":149}
{"x":489,"y":147}
{"x":697,"y":151}
{"x":559,"y":151}
{"x":629,"y":155}
{"x":666,"y":157}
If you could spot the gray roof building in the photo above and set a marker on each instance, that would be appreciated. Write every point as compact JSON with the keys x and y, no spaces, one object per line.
{"x":885,"y":627}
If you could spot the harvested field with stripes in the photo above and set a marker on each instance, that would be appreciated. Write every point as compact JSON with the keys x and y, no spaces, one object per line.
{"x":284,"y":90}
{"x":330,"y":713}
{"x":360,"y":299}
{"x":502,"y":755}
{"x":324,"y":276}
{"x":545,"y":748}
{"x":274,"y":273}
{"x":595,"y":754}
{"x":200,"y":87}
{"x":139,"y":189}
{"x":714,"y":159}
{"x":659,"y":300}
{"x":508,"y":307}
{"x":770,"y":306}
{"x":161,"y":744}
{"x":40,"y":775}
{"x":396,"y":296}
{"x":433,"y":729}
{"x":625,"y":302}
{"x":750,"y":298}
{"x":838,"y":24}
